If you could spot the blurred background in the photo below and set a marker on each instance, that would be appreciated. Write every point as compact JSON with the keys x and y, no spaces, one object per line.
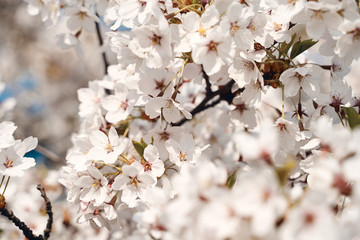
{"x":42,"y":78}
{"x":38,"y":92}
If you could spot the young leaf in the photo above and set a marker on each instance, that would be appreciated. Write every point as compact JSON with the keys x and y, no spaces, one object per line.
{"x":301,"y":47}
{"x":231,"y":180}
{"x":286,"y":46}
{"x":284,"y":171}
{"x":352,"y":117}
{"x":139,"y":148}
{"x":295,"y":49}
{"x":143,"y":142}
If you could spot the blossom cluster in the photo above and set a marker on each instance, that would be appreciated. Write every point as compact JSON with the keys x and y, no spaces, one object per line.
{"x":217,"y":122}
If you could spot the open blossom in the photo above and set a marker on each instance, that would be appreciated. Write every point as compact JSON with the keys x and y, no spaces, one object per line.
{"x":347,"y":43}
{"x":6,"y":134}
{"x":212,"y":51}
{"x":244,"y":71}
{"x":155,"y":82}
{"x":170,"y":110}
{"x":90,"y":99}
{"x":106,"y":148}
{"x":120,"y":105}
{"x":81,"y":18}
{"x":12,"y":160}
{"x":93,"y":186}
{"x":152,"y":163}
{"x":184,"y":151}
{"x":132,"y":182}
{"x":305,"y":78}
{"x":152,"y":44}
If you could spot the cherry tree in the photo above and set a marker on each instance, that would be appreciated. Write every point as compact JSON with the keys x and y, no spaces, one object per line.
{"x":216,"y":122}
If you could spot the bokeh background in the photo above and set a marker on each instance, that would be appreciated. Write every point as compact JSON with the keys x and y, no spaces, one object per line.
{"x":42,"y":78}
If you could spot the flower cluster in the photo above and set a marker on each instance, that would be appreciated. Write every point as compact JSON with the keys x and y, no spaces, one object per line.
{"x":218,"y":122}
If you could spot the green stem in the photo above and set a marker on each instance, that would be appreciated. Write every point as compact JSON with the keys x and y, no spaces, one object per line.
{"x":282,"y":101}
{"x":7,"y":182}
{"x":2,"y":180}
{"x":297,"y":112}
{"x":180,"y":78}
{"x":342,"y":122}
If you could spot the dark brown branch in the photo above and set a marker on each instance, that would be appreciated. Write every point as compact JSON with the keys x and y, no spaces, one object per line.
{"x":101,"y":42}
{"x":223,"y":92}
{"x":23,"y":227}
{"x":49,"y":212}
{"x":207,"y":81}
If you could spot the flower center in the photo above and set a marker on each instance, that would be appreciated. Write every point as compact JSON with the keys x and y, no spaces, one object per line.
{"x":124,"y":105}
{"x":212,"y":46}
{"x":96,"y":183}
{"x":109,"y":148}
{"x":182,"y":156}
{"x":156,"y":40}
{"x":8,"y":163}
{"x":82,"y":15}
{"x":164,"y":136}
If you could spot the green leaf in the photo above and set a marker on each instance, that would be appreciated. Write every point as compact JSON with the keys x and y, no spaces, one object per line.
{"x":284,"y":48}
{"x":301,"y":46}
{"x":352,"y":117}
{"x":284,"y":171}
{"x":295,"y":49}
{"x":231,"y":180}
{"x":143,"y":142}
{"x":139,"y":148}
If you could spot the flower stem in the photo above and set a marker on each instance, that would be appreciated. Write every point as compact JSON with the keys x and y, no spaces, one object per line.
{"x":108,"y":164}
{"x":2,"y":180}
{"x":7,"y":182}
{"x":282,"y":102}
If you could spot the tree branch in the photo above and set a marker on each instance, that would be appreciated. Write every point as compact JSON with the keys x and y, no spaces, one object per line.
{"x":28,"y":233}
{"x":101,"y":42}
{"x":223,"y":92}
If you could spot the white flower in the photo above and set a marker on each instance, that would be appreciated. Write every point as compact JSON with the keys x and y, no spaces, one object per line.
{"x":259,"y":198}
{"x":90,"y":99}
{"x":289,"y":134}
{"x":312,"y":220}
{"x":153,"y":82}
{"x":348,"y":43}
{"x":183,"y":152}
{"x":6,"y":134}
{"x":68,"y":40}
{"x":212,"y":51}
{"x":152,"y":44}
{"x":243,"y":113}
{"x":159,"y":137}
{"x":244,"y":71}
{"x":12,"y":160}
{"x":81,"y":18}
{"x":106,"y":148}
{"x":120,"y":105}
{"x":152,"y":163}
{"x":306,"y":78}
{"x":236,"y":21}
{"x":132,"y":181}
{"x":94,"y":186}
{"x":170,"y":109}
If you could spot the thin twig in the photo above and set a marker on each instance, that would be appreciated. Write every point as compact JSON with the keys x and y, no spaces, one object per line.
{"x":224,"y":93}
{"x":101,"y":42}
{"x":28,"y":233}
{"x":49,"y":212}
{"x":207,"y":81}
